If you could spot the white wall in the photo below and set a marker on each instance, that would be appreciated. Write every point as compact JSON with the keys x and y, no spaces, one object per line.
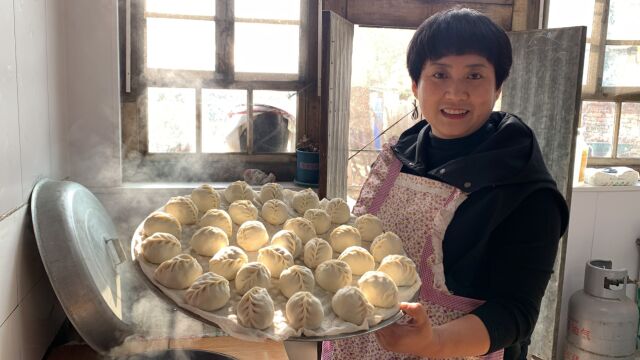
{"x":604,"y":224}
{"x":32,"y":145}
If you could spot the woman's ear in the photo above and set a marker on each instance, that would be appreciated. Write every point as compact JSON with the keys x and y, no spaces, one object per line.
{"x":414,"y":89}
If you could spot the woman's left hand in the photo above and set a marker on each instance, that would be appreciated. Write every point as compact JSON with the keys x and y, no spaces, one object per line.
{"x":415,"y":337}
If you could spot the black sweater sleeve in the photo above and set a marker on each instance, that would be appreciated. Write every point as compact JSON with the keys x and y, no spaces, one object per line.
{"x":522,"y":251}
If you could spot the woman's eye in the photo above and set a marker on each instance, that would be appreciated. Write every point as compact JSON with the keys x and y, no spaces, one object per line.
{"x":439,"y":75}
{"x":475,"y":76}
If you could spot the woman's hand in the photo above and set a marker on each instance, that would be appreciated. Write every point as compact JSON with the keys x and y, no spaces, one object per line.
{"x":415,"y":337}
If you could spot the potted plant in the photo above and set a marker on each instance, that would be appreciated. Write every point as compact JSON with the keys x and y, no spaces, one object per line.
{"x":307,"y":163}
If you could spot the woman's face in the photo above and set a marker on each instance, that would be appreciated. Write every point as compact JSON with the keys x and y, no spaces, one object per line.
{"x":456,"y":94}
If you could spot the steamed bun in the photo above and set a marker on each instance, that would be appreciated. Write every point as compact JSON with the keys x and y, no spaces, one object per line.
{"x":178,"y":272}
{"x":303,"y":310}
{"x":296,"y":278}
{"x":400,"y":269}
{"x":270,"y":191}
{"x":387,"y":243}
{"x":218,"y":218}
{"x":250,"y":275}
{"x":205,"y":197}
{"x":369,"y":226}
{"x":317,"y":251}
{"x":275,"y":212}
{"x":228,"y":261}
{"x":161,"y":222}
{"x":302,"y":227}
{"x":320,"y":219}
{"x":358,"y":259}
{"x":255,"y":309}
{"x":183,"y":209}
{"x":252,"y":235}
{"x":238,"y":190}
{"x":288,"y":240}
{"x":242,"y":211}
{"x":160,"y":247}
{"x":207,"y":241}
{"x":379,"y":289}
{"x":275,"y":258}
{"x":332,"y":275}
{"x":350,"y":305}
{"x":344,"y":236}
{"x":305,"y":200}
{"x":339,"y":211}
{"x":209,"y":292}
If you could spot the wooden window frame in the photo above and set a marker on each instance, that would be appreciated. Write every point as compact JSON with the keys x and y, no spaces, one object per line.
{"x":593,"y":89}
{"x":141,"y":166}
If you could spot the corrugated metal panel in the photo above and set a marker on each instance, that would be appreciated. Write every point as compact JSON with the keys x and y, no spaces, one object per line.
{"x":544,"y":90}
{"x":339,"y":92}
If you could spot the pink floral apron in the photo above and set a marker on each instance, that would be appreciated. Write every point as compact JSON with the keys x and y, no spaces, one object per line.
{"x":418,"y":210}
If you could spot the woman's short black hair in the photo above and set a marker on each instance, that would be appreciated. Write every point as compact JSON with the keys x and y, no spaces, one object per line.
{"x":459,"y":32}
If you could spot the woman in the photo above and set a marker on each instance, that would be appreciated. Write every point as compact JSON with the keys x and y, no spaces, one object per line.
{"x":468,"y":192}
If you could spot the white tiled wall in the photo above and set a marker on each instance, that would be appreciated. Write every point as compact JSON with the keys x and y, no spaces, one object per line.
{"x":32,"y":145}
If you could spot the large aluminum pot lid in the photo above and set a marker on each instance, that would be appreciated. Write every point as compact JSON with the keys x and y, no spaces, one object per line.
{"x":80,"y":251}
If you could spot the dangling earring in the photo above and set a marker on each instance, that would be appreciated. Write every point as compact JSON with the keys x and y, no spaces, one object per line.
{"x":414,"y":113}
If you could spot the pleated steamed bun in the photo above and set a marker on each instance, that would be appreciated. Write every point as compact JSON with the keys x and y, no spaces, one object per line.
{"x":320,"y":219}
{"x":350,"y":304}
{"x":228,"y":261}
{"x":302,"y":227}
{"x":294,"y":279}
{"x":275,"y":212}
{"x":161,"y":222}
{"x":305,"y":200}
{"x":344,"y":236}
{"x":270,"y":191}
{"x":369,"y":226}
{"x":207,"y":241}
{"x":242,"y":211}
{"x":276,"y":259}
{"x":250,"y":275}
{"x":252,"y":235}
{"x":209,"y":292}
{"x":160,"y":247}
{"x":183,"y":209}
{"x":379,"y":289}
{"x":332,"y":275}
{"x":218,"y":218}
{"x":317,"y":251}
{"x":238,"y":190}
{"x":179,"y":272}
{"x":288,"y":240}
{"x":255,"y":309}
{"x":303,"y":310}
{"x":387,"y":243}
{"x":358,"y":259}
{"x":205,"y":197}
{"x":400,"y":269}
{"x":339,"y":211}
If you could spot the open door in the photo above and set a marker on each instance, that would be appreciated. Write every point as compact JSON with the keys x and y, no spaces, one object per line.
{"x":544,"y":90}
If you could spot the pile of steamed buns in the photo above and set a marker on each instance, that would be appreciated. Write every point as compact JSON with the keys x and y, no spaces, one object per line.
{"x":299,"y":239}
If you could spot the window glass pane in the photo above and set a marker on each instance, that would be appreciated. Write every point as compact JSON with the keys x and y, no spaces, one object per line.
{"x":182,"y":7}
{"x":274,"y":124}
{"x":621,"y":66}
{"x":181,"y":44}
{"x":273,"y":9}
{"x":623,"y":20}
{"x":629,"y":135}
{"x":266,"y":48}
{"x":223,"y":117}
{"x":585,"y":67}
{"x":172,"y":120}
{"x":597,"y":118}
{"x":380,"y":96}
{"x":563,"y":13}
